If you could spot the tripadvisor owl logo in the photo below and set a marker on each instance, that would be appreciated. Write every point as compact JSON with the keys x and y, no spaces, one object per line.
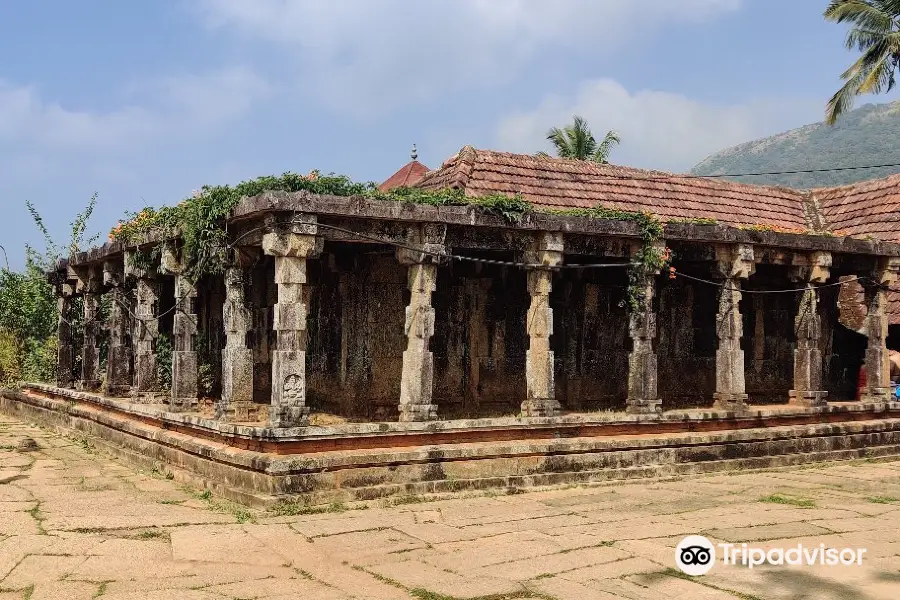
{"x":695,"y":555}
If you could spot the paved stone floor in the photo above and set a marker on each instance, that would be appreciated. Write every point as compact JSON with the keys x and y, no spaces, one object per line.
{"x":75,"y":523}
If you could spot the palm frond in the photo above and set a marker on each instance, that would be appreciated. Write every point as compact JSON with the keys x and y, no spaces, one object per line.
{"x":601,"y":154}
{"x":862,"y":13}
{"x":875,"y":33}
{"x":843,"y":99}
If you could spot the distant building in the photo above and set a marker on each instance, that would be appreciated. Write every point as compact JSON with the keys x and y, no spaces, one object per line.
{"x":409,"y":174}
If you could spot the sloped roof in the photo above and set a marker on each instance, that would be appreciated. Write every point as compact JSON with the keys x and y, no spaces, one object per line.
{"x":865,"y":208}
{"x":563,"y":183}
{"x":408,"y":175}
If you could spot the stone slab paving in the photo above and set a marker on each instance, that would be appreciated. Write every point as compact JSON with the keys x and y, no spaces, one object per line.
{"x":77,"y":524}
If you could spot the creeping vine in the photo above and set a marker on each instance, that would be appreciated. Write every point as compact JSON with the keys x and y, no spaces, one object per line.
{"x":200,"y":221}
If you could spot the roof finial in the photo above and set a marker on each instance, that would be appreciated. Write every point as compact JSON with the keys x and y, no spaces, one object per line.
{"x":415,"y":153}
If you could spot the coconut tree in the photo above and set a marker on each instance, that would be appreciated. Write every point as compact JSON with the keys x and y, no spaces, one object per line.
{"x":576,"y":141}
{"x":875,"y":32}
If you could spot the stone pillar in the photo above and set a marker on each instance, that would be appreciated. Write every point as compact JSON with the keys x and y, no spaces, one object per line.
{"x":540,"y":399}
{"x":877,"y":363}
{"x":643,"y":397}
{"x":237,"y":358}
{"x":734,"y":264}
{"x":119,"y":358}
{"x":91,"y":283}
{"x":418,"y":361}
{"x":809,"y":384}
{"x":65,"y":353}
{"x":291,"y":245}
{"x":184,"y":346}
{"x":146,"y":330}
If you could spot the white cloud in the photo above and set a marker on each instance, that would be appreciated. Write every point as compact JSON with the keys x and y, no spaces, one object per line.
{"x":363,"y":56}
{"x":155,"y":107}
{"x":659,"y":129}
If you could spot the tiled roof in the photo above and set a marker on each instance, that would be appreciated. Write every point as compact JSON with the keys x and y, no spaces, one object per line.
{"x":408,"y":175}
{"x":865,"y":208}
{"x":868,"y":208}
{"x":564,"y":183}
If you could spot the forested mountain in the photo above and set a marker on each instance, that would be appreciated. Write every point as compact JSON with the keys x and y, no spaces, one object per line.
{"x":869,"y":135}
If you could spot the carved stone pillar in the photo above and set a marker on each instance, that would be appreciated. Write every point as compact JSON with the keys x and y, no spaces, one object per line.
{"x":291,"y":245}
{"x":734,"y":264}
{"x":237,"y":357}
{"x":418,"y":361}
{"x":92,"y":288}
{"x":146,"y":330}
{"x":65,"y":352}
{"x":877,"y":363}
{"x":184,"y":346}
{"x":643,"y":396}
{"x":540,"y":400}
{"x":809,"y":384}
{"x":119,"y":358}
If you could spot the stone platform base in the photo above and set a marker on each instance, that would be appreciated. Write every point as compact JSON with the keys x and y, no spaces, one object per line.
{"x":260,"y":466}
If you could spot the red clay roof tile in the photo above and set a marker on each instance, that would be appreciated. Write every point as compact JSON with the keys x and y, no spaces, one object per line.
{"x":408,"y":175}
{"x":562,"y":183}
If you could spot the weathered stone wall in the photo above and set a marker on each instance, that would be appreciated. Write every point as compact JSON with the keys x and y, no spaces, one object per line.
{"x":480,"y":339}
{"x":686,"y":342}
{"x":262,"y":296}
{"x":590,"y":339}
{"x":769,"y":336}
{"x":843,"y":349}
{"x":211,"y":334}
{"x":355,"y":354}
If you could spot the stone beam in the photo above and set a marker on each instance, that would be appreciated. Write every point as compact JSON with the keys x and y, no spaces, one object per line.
{"x":734,"y":264}
{"x":540,"y":400}
{"x":418,"y":361}
{"x":291,"y":245}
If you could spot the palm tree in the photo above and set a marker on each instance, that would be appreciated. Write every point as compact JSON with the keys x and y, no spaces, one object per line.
{"x":576,"y":141}
{"x":875,"y":33}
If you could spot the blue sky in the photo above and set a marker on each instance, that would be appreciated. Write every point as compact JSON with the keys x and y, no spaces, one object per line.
{"x":143,"y":102}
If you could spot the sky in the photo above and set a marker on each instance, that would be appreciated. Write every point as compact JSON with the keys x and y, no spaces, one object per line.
{"x":143,"y":102}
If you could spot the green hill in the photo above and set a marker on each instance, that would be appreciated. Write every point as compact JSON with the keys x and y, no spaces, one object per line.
{"x":869,"y":135}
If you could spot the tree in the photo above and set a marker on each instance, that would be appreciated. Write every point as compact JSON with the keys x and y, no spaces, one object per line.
{"x":875,"y":32}
{"x":576,"y":141}
{"x":28,"y":312}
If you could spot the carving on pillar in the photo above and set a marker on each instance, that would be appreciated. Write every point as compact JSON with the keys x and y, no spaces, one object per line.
{"x":418,"y":362}
{"x":65,"y":353}
{"x":734,"y":264}
{"x":291,"y":245}
{"x":540,"y":400}
{"x":643,"y":397}
{"x":809,"y":385}
{"x":91,"y":283}
{"x":119,"y":357}
{"x":146,"y":330}
{"x":236,"y":401}
{"x":877,"y":362}
{"x":184,"y":391}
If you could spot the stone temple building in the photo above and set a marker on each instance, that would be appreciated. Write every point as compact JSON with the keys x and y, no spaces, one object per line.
{"x":368,"y":330}
{"x":344,"y":311}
